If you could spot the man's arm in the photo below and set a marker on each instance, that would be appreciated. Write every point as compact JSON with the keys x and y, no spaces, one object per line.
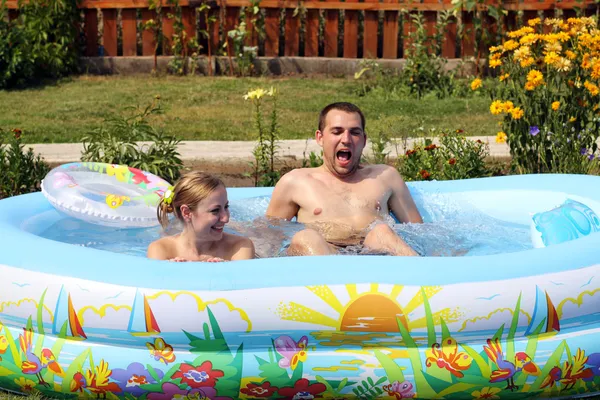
{"x":282,"y":204}
{"x":401,"y":202}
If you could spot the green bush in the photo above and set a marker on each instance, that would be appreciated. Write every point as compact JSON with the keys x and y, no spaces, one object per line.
{"x":117,"y":141}
{"x":455,"y":158}
{"x":41,"y":43}
{"x":20,"y":172}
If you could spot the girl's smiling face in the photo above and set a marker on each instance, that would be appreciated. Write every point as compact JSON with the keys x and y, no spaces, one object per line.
{"x":211,"y":215}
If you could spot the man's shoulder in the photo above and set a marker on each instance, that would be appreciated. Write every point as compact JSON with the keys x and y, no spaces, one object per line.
{"x":296,"y":175}
{"x":383,"y":169}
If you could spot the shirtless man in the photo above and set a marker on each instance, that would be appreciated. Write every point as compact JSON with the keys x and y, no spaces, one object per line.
{"x":340,"y":200}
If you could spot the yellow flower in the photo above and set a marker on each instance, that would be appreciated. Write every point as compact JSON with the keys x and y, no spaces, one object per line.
{"x":487,"y":392}
{"x":510,"y":45}
{"x":496,"y":107}
{"x":555,"y":105}
{"x":552,"y":21}
{"x":553,"y":47}
{"x":570,"y":55}
{"x":596,"y":70}
{"x":572,"y":119}
{"x":586,"y":63}
{"x":534,"y":22}
{"x":521,"y":32}
{"x":495,"y":49}
{"x":527,"y":62}
{"x":501,"y":137}
{"x":535,"y":77}
{"x":563,"y":65}
{"x":517,"y":113}
{"x":528,"y":39}
{"x":522,"y":53}
{"x":272,"y":92}
{"x":26,"y":385}
{"x":476,"y":84}
{"x":563,"y":36}
{"x":255,"y":94}
{"x":508,"y":106}
{"x":503,"y":77}
{"x":551,"y":58}
{"x":495,"y":63}
{"x":592,"y":88}
{"x":530,"y":86}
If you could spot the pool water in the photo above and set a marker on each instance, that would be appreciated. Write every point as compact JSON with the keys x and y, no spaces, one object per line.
{"x":450,"y":228}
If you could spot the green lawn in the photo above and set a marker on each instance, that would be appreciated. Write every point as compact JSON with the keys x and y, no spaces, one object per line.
{"x":204,"y":108}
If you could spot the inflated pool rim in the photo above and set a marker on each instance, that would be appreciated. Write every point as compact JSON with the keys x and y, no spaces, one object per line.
{"x":23,"y":249}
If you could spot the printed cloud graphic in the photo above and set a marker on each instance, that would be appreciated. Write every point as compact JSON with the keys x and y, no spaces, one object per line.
{"x":25,"y":308}
{"x":494,"y":320}
{"x":187,"y":311}
{"x":108,"y":317}
{"x":587,"y":302}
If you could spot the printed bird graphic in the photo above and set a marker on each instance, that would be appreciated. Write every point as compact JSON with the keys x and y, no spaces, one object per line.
{"x":97,"y":382}
{"x":34,"y":365}
{"x":571,"y":372}
{"x":506,"y":370}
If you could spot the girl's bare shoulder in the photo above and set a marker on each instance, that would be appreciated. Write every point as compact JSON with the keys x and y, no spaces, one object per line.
{"x":163,"y":248}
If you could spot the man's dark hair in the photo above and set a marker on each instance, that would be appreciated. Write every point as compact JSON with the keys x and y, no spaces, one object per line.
{"x":341,"y":106}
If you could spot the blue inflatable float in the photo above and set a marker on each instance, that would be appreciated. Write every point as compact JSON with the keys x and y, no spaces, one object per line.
{"x":79,"y":321}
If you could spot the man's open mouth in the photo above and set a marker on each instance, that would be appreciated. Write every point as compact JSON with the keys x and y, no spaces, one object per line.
{"x":344,"y":155}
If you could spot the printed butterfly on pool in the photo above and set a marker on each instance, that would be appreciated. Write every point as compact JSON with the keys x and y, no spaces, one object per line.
{"x":292,"y":352}
{"x":161,"y":351}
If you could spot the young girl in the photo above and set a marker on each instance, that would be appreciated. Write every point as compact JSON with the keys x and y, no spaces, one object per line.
{"x":199,"y":201}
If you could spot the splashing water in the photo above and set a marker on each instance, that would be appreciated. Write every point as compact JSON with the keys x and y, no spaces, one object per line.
{"x":450,"y":228}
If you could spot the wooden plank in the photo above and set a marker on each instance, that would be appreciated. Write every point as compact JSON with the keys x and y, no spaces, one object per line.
{"x":370,"y":34}
{"x":351,"y":33}
{"x":214,"y":30}
{"x":109,"y":35}
{"x":90,"y":29}
{"x":334,"y":5}
{"x":148,"y":42}
{"x":311,"y":37}
{"x":430,"y":21}
{"x":468,"y":42}
{"x":449,"y":44}
{"x":330,"y":34}
{"x":252,"y":34}
{"x":128,"y":19}
{"x":390,"y":34}
{"x":407,"y":29}
{"x":167,"y":31}
{"x":292,"y":30}
{"x":272,"y":32}
{"x":188,"y":15}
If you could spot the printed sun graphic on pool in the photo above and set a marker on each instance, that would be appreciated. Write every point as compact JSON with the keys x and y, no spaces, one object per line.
{"x":365,"y":307}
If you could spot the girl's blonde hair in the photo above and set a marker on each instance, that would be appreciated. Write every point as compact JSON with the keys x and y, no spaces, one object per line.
{"x":189,"y":190}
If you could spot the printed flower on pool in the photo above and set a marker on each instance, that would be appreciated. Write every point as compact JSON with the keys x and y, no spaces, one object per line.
{"x":446,"y":356}
{"x":26,"y":385}
{"x":263,"y":390}
{"x":487,"y":393}
{"x":302,"y":390}
{"x":133,"y":377}
{"x":171,"y":391}
{"x":196,"y":377}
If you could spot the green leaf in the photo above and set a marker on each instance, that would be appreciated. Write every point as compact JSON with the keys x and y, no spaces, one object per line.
{"x":324,"y":382}
{"x":445,"y":330}
{"x":379,"y":381}
{"x":75,"y":366}
{"x":481,"y":363}
{"x":152,"y":372}
{"x":392,"y":370}
{"x":531,"y":349}
{"x":553,"y":361}
{"x":214,"y":325}
{"x":431,"y":336}
{"x":40,"y":313}
{"x":456,"y":388}
{"x":414,"y":356}
{"x":16,"y":355}
{"x":510,"y":340}
{"x":170,"y":373}
{"x":498,"y":334}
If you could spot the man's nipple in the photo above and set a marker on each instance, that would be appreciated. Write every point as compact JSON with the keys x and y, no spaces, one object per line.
{"x":318,"y":211}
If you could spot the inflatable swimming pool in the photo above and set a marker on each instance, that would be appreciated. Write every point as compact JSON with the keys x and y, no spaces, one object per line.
{"x":78,"y":321}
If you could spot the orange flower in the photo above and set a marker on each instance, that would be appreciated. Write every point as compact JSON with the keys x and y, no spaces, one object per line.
{"x":17,"y":133}
{"x":431,"y":147}
{"x":452,"y":161}
{"x":425,"y":174}
{"x":446,"y":356}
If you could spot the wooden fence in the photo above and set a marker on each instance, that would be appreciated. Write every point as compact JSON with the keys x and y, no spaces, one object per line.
{"x":348,"y":29}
